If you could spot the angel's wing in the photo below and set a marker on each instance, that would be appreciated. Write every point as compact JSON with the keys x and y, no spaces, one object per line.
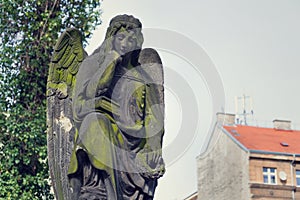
{"x":155,"y":109}
{"x":66,"y":59}
{"x":151,"y":63}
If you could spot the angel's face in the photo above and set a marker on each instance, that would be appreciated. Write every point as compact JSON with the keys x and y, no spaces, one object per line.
{"x":124,"y":41}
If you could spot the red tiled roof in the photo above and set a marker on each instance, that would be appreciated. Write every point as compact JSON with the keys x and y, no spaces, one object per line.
{"x":266,"y":139}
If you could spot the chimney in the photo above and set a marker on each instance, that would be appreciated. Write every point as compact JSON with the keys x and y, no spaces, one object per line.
{"x":282,"y":124}
{"x":226,"y":118}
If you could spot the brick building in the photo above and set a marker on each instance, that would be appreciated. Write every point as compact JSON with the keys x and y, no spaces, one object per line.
{"x":247,"y":162}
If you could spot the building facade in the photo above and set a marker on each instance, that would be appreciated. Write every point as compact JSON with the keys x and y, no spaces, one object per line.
{"x":247,"y":162}
{"x":193,"y":196}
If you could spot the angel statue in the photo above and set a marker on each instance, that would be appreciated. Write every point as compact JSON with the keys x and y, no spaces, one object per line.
{"x":105,"y":116}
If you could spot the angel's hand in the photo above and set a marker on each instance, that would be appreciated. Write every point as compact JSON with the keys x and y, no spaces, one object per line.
{"x":156,"y":163}
{"x":153,"y":158}
{"x":115,"y":56}
{"x":112,"y":59}
{"x":151,"y":164}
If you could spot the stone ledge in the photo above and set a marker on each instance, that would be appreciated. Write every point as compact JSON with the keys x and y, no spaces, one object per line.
{"x":274,"y":187}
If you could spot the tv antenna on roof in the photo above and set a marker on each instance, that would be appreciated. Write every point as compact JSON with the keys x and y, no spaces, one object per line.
{"x":243,"y":108}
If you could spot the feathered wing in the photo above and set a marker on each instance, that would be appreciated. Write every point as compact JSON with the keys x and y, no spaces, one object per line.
{"x":154,"y":109}
{"x":152,"y":64}
{"x":66,"y":59}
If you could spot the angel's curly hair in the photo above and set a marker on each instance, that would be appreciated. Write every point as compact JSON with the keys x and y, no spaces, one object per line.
{"x":128,"y":22}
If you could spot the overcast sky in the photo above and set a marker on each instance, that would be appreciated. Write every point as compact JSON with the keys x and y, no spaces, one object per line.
{"x":250,"y":46}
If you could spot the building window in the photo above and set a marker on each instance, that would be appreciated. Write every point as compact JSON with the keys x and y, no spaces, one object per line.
{"x":269,"y":175}
{"x":298,"y":177}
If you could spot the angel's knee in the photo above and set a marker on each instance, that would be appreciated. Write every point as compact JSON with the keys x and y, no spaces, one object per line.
{"x":94,"y":125}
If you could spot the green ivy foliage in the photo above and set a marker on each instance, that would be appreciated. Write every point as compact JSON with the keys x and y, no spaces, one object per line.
{"x":28,"y":33}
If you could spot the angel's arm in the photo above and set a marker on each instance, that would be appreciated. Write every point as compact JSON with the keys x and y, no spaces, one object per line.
{"x":100,"y":82}
{"x":96,"y":81}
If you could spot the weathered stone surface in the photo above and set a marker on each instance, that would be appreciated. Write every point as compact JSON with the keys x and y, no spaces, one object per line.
{"x":105,"y":116}
{"x":228,"y":180}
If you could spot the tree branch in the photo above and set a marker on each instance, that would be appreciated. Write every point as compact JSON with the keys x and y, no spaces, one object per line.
{"x":49,"y":16}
